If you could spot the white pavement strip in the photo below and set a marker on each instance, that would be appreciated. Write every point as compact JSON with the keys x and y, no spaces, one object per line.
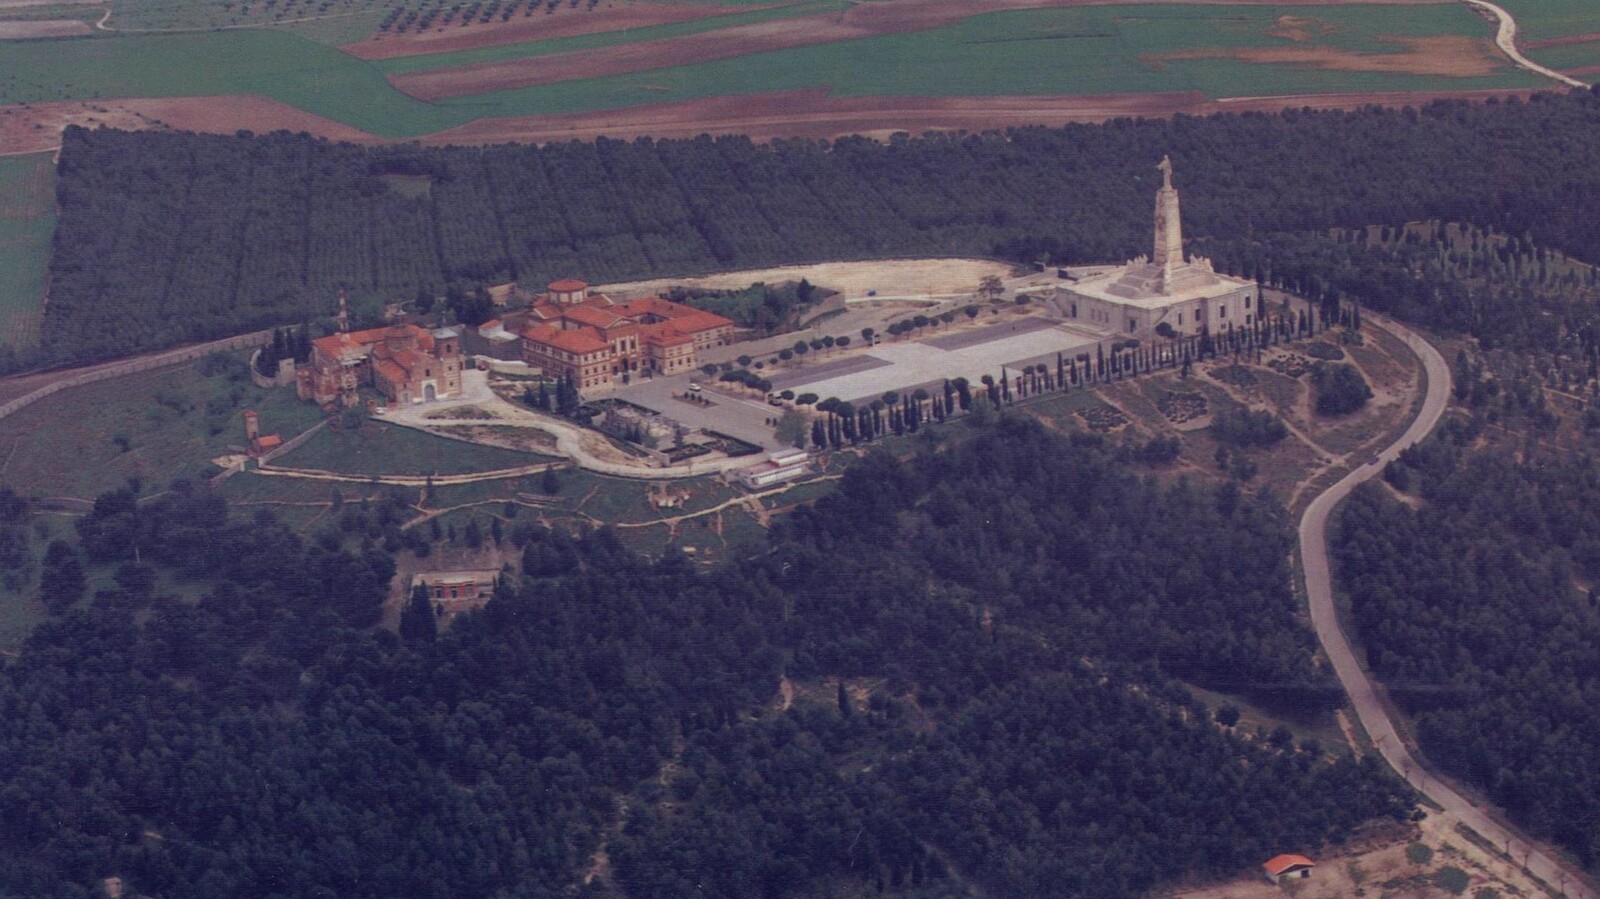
{"x":1363,"y":693}
{"x":912,"y":364}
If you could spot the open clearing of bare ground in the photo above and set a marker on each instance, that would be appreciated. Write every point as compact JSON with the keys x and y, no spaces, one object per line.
{"x":1448,"y":55}
{"x":908,"y":276}
{"x":39,"y":28}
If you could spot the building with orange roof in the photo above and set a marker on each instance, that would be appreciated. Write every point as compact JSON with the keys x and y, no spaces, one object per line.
{"x":405,"y":363}
{"x":1288,"y":867}
{"x":574,"y":333}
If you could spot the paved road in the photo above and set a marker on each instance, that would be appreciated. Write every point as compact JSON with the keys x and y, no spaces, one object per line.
{"x":1324,"y":617}
{"x":1506,"y":38}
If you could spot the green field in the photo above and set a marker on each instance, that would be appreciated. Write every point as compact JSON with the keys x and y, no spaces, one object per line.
{"x":1539,"y":19}
{"x":277,"y":64}
{"x":27,"y":219}
{"x":154,"y":425}
{"x":602,"y":39}
{"x":384,"y":449}
{"x":1051,"y":51}
{"x":1569,"y":56}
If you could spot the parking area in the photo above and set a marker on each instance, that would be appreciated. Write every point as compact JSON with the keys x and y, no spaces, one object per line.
{"x":738,"y":417}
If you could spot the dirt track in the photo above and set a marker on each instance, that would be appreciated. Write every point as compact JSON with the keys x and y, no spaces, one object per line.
{"x":861,"y":21}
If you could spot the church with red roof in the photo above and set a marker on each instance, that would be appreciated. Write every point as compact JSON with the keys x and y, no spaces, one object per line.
{"x":405,"y":363}
{"x":573,"y":332}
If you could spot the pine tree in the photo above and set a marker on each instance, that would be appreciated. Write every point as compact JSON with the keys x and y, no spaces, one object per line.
{"x":61,"y":580}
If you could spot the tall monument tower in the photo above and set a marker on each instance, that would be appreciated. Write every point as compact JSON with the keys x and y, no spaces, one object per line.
{"x":1168,"y":256}
{"x":343,"y":318}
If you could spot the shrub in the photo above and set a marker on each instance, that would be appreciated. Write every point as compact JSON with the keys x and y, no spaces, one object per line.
{"x":1340,"y":388}
{"x":1451,"y":879}
{"x":1323,"y":350}
{"x":1419,"y":854}
{"x":1243,"y":427}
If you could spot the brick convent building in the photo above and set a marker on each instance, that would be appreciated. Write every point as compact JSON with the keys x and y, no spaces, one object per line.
{"x":600,"y":342}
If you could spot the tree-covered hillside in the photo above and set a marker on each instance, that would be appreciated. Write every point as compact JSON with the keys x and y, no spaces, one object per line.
{"x":166,"y":237}
{"x":982,"y":640}
{"x":1476,"y":609}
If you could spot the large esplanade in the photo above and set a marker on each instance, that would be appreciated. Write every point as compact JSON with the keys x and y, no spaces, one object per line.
{"x":1187,"y":295}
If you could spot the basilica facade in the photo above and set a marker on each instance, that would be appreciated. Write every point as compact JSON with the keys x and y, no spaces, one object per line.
{"x":1165,"y":293}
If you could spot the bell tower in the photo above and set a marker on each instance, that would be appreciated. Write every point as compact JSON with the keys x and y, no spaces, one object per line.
{"x":1168,"y":255}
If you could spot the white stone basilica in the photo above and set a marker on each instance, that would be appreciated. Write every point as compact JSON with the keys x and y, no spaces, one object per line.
{"x":1136,"y":299}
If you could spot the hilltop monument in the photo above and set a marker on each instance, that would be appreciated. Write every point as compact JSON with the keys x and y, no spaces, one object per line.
{"x":1137,"y":298}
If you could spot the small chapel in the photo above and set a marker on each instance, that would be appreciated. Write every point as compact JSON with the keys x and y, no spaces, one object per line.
{"x":1165,"y":288}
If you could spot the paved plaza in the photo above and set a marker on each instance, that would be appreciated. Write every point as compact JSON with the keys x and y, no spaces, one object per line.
{"x":907,"y":366}
{"x":735,"y":416}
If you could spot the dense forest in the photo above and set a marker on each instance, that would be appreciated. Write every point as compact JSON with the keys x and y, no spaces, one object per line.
{"x":987,"y":641}
{"x":1476,"y":612}
{"x":1508,"y":291}
{"x":168,"y":237}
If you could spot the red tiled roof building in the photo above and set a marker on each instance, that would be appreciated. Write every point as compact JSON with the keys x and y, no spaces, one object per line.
{"x":405,"y":363}
{"x":597,"y":342}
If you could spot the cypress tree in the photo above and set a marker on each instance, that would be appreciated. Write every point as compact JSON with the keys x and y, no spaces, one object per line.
{"x":418,"y":625}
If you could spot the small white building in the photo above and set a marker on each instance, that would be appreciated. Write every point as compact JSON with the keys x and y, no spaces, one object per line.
{"x":1288,"y":867}
{"x":1185,"y":295}
{"x":779,"y":468}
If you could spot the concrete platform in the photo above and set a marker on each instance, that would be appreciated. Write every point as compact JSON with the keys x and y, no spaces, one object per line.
{"x":970,"y":354}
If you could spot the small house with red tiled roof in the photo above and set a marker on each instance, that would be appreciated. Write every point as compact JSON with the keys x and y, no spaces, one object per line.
{"x":650,"y":335}
{"x":1288,"y":867}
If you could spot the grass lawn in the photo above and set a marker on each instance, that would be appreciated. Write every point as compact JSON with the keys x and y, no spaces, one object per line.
{"x":383,"y":449}
{"x":1060,"y":409}
{"x":154,"y":425}
{"x":602,"y":39}
{"x":27,"y":220}
{"x":1084,"y":50}
{"x":1323,"y":728}
{"x":800,"y":493}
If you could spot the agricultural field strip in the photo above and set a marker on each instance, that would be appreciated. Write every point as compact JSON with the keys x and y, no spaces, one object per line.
{"x":27,"y":221}
{"x":980,"y":56}
{"x":1113,"y":50}
{"x":402,"y":64}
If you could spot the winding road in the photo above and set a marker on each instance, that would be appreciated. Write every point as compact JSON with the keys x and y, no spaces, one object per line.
{"x":1506,"y":39}
{"x":1369,"y":708}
